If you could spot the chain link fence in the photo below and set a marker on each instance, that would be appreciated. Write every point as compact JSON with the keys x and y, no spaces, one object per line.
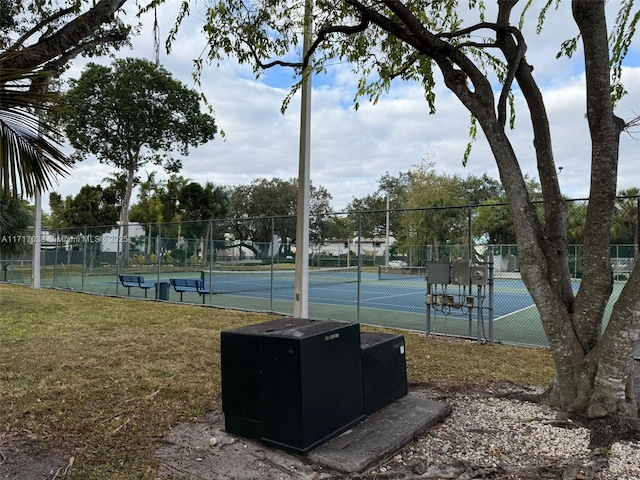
{"x":378,"y":274}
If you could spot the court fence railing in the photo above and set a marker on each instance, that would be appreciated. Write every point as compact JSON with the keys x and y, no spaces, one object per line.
{"x":369,"y":277}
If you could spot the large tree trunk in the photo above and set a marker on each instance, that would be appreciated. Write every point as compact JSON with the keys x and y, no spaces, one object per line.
{"x":594,"y":369}
{"x":610,"y":357}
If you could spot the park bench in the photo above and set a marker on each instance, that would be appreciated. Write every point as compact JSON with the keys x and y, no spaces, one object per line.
{"x":189,"y":285}
{"x":135,"y":281}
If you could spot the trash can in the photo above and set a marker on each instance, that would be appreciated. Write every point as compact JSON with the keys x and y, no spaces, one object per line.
{"x":162,"y":290}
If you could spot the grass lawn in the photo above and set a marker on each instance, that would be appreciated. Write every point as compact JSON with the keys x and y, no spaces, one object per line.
{"x":100,"y":378}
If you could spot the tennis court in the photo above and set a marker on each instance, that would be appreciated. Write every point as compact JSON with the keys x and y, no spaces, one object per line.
{"x":344,"y":294}
{"x":397,"y":301}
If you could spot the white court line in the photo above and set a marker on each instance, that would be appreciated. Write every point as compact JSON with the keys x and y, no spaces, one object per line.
{"x":516,"y":311}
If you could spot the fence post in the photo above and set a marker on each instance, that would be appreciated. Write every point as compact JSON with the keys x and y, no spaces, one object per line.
{"x":158,"y":256}
{"x":637,"y":245}
{"x":428,"y":309}
{"x":470,"y":233}
{"x":211,"y":253}
{"x":386,"y":248}
{"x":84,"y":259}
{"x":55,"y":259}
{"x":118,"y":256}
{"x":359,"y":267}
{"x":490,"y":285}
{"x":273,"y":256}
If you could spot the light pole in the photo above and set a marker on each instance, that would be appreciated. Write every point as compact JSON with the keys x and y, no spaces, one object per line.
{"x":301,"y":290}
{"x":37,"y":234}
{"x":386,"y":249}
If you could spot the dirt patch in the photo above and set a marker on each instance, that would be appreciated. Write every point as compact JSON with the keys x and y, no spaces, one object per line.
{"x":204,"y":450}
{"x":28,"y":460}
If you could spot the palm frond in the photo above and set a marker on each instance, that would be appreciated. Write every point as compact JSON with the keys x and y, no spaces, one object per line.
{"x":30,"y":159}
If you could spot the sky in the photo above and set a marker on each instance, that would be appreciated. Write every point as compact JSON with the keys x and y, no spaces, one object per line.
{"x":351,"y":150}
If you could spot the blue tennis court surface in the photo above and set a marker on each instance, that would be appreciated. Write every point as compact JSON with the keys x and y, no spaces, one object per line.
{"x":396,"y":295}
{"x":345,"y":294}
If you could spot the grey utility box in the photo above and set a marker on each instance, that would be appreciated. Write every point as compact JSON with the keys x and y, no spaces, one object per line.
{"x":461,"y":272}
{"x":439,"y":272}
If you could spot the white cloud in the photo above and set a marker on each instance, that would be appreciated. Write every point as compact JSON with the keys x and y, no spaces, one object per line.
{"x":351,"y":149}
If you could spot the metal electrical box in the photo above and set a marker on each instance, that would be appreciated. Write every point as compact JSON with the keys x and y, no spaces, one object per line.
{"x":439,"y":272}
{"x":461,"y":272}
{"x":479,"y":275}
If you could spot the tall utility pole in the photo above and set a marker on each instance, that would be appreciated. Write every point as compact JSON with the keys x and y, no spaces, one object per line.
{"x":37,"y":234}
{"x":386,"y":248}
{"x":301,"y":290}
{"x":37,"y":227}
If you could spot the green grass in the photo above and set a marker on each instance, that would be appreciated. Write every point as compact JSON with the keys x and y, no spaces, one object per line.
{"x":99,"y":378}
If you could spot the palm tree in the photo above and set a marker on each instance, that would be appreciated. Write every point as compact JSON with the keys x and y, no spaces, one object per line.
{"x":29,"y":157}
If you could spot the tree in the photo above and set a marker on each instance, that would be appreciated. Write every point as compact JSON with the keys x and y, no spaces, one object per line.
{"x":393,"y":39}
{"x":170,"y":196}
{"x":266,"y":199}
{"x":148,"y":209}
{"x":133,"y":114}
{"x":16,"y":219}
{"x":158,"y":203}
{"x":93,"y":208}
{"x":199,"y":205}
{"x":576,"y":213}
{"x":625,"y":220}
{"x":373,"y":223}
{"x":37,"y":40}
{"x":319,"y":207}
{"x":92,"y":212}
{"x":414,"y":190}
{"x":494,"y":219}
{"x":338,"y":228}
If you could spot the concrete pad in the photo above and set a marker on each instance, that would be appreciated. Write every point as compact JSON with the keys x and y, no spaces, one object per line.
{"x":380,"y":435}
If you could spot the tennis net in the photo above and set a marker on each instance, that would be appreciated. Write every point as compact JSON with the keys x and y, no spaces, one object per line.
{"x":230,"y":281}
{"x":401,"y":273}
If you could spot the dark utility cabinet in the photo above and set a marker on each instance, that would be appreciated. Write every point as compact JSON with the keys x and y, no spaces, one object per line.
{"x":384,"y":369}
{"x":292,"y":383}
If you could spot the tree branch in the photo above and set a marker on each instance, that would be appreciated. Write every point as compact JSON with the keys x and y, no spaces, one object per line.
{"x":64,"y":39}
{"x":513,"y":62}
{"x":323,"y":33}
{"x":56,"y":65}
{"x":46,"y":21}
{"x":443,"y":53}
{"x":404,"y":68}
{"x":632,"y":124}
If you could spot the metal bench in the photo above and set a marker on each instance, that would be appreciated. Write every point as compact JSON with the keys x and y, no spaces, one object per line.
{"x":189,"y":285}
{"x":135,"y":281}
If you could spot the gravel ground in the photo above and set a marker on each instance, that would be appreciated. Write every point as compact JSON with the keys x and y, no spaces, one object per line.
{"x":486,"y":436}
